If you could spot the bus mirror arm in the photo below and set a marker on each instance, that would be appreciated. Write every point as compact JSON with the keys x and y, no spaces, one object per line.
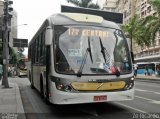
{"x":48,"y":35}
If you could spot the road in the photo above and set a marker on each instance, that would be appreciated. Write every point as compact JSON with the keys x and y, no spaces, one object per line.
{"x":145,"y":105}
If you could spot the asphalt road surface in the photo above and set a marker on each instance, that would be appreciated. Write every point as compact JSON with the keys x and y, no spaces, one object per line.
{"x":145,"y":105}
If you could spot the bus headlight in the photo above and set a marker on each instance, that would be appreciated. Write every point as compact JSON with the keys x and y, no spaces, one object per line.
{"x":63,"y":87}
{"x":60,"y":86}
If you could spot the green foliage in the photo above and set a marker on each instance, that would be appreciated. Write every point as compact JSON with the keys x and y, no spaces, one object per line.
{"x":139,"y":30}
{"x":84,"y":3}
{"x":13,"y":56}
{"x":144,"y":31}
{"x":155,"y":23}
{"x":156,"y":5}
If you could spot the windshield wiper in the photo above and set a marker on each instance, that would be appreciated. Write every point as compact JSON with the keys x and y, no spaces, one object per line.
{"x":105,"y":53}
{"x":84,"y":58}
{"x":89,"y":49}
{"x":103,"y":49}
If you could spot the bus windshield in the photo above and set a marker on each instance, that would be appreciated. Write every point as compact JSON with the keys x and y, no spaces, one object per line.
{"x":91,"y":50}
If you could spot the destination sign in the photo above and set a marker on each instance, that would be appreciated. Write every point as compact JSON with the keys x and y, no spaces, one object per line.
{"x":87,"y":32}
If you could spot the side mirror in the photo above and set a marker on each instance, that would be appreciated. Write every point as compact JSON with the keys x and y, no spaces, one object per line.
{"x":130,"y":49}
{"x":48,"y":35}
{"x":129,"y":43}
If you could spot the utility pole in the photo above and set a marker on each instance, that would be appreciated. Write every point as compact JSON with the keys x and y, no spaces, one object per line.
{"x":7,"y":22}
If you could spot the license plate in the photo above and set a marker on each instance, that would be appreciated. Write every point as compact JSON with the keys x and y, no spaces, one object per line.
{"x":100,"y":98}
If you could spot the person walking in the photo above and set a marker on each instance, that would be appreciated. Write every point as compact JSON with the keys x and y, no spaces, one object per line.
{"x":1,"y":71}
{"x":135,"y":69}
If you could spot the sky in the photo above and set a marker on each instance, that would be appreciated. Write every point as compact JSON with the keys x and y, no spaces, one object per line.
{"x":33,"y":13}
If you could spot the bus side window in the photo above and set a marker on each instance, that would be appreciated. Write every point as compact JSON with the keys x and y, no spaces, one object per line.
{"x":41,"y":54}
{"x":43,"y":49}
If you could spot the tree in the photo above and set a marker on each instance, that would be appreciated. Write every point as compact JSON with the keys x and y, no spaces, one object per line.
{"x":139,"y":30}
{"x":13,"y":60}
{"x":131,"y":28}
{"x":20,"y":53}
{"x":84,"y":3}
{"x":155,"y":23}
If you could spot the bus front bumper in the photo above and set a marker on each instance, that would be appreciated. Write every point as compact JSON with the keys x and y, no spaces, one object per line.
{"x":60,"y":97}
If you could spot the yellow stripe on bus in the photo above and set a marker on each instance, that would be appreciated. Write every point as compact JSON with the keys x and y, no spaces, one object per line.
{"x":98,"y":86}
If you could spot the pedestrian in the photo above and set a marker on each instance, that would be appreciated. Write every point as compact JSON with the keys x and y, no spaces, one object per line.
{"x":135,"y":69}
{"x":1,"y":71}
{"x":147,"y":70}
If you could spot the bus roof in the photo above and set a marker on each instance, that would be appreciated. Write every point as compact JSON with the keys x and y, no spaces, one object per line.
{"x":107,"y":15}
{"x":69,"y":19}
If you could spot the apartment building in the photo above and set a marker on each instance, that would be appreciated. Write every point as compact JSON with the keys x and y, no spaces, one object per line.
{"x":110,"y":5}
{"x":143,"y":9}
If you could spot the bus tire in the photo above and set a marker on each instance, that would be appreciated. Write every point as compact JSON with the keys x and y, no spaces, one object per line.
{"x":32,"y":85}
{"x":41,"y":88}
{"x":46,"y":100}
{"x":43,"y":94}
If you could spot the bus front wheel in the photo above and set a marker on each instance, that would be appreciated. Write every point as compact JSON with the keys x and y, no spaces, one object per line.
{"x":32,"y":85}
{"x":41,"y":88}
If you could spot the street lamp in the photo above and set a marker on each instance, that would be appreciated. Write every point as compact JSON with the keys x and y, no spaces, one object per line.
{"x":19,"y":25}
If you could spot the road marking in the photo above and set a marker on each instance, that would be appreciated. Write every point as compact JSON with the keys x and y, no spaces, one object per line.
{"x":147,"y":85}
{"x":131,"y":108}
{"x":150,"y":100}
{"x":148,"y":91}
{"x":144,"y":98}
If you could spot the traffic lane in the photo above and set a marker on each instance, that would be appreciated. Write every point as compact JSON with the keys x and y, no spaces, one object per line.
{"x":85,"y":111}
{"x":103,"y":110}
{"x":147,"y":86}
{"x":143,"y":104}
{"x":148,"y":94}
{"x":24,"y":82}
{"x":148,"y":90}
{"x":92,"y":111}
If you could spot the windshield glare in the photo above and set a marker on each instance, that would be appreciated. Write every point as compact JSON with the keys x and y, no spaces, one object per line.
{"x":108,"y":50}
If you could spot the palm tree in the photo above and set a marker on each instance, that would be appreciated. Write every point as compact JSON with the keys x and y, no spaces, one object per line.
{"x":13,"y":55}
{"x":84,"y":3}
{"x":130,"y":28}
{"x":138,"y":29}
{"x":131,"y":31}
{"x":155,"y":23}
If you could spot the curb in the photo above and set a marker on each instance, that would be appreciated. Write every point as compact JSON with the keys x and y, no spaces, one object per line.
{"x":20,"y":108}
{"x":19,"y":104}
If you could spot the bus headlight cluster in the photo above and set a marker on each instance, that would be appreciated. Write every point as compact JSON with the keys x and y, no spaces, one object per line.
{"x":63,"y":87}
{"x":130,"y":84}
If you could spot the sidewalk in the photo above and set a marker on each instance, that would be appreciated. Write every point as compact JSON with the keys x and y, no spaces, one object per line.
{"x":10,"y":102}
{"x":147,"y":78}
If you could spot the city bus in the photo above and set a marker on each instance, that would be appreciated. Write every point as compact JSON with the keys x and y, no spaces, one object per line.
{"x":79,"y":58}
{"x":22,"y":67}
{"x":148,"y":68}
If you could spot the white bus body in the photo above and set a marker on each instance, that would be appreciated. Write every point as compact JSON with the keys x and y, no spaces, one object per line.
{"x":80,"y":58}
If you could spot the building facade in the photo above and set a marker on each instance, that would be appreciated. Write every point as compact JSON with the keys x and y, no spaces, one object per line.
{"x":143,"y":9}
{"x":110,"y":5}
